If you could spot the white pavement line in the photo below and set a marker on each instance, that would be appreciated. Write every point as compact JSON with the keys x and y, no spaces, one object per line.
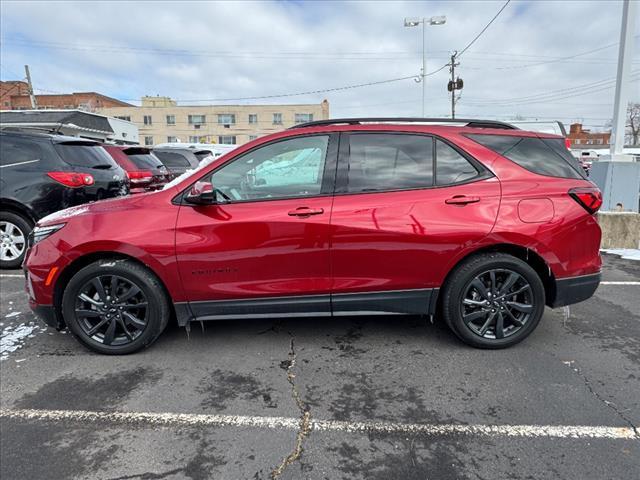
{"x":201,"y":420}
{"x":619,"y":283}
{"x":11,"y":275}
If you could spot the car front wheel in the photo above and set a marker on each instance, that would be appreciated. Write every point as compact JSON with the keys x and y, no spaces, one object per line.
{"x":115,"y":306}
{"x":493,"y":300}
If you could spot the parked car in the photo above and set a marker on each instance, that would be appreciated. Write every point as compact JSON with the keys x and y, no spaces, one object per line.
{"x":177,"y":160}
{"x":145,"y":171}
{"x":42,"y":173}
{"x":476,"y":223}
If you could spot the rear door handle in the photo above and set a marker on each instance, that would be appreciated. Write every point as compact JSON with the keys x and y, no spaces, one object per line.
{"x":461,"y":200}
{"x":305,"y":212}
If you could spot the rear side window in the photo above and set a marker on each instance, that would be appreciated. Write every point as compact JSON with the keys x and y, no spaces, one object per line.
{"x":451,"y":166}
{"x":19,"y":153}
{"x":389,"y":162}
{"x":542,"y":156}
{"x":145,"y":160}
{"x":83,"y":155}
{"x":172,"y":159}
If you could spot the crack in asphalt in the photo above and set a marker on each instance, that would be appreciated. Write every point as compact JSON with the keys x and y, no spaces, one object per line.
{"x":305,"y":416}
{"x":609,"y":404}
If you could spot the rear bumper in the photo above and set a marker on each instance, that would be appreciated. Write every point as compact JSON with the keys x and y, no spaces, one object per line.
{"x":575,"y":289}
{"x":47,"y":313}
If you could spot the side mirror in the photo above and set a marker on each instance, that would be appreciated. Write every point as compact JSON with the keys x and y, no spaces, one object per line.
{"x":201,"y":193}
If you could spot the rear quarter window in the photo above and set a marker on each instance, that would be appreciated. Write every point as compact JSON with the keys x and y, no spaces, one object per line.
{"x":544,"y":156}
{"x":20,"y":153}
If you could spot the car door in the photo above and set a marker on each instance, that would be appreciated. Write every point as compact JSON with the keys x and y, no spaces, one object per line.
{"x":264,"y":247}
{"x":405,"y":205}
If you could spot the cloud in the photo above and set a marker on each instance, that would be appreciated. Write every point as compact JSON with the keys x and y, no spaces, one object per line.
{"x":209,"y":50}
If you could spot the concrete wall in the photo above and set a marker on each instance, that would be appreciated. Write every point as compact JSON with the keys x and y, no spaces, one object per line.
{"x":620,"y":229}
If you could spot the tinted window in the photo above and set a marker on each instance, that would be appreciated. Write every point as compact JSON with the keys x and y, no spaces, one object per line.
{"x":389,"y":162}
{"x":451,"y":166}
{"x":172,"y":159}
{"x":19,"y":151}
{"x":83,"y":155}
{"x":291,"y":168}
{"x":145,"y":160}
{"x":544,"y":157}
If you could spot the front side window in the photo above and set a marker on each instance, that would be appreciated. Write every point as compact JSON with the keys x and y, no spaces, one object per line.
{"x":451,"y":166}
{"x":289,"y":168}
{"x":226,"y":119}
{"x":544,"y":156}
{"x":379,"y":161}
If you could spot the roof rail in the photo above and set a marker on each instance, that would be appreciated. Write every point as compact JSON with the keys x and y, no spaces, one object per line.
{"x":360,"y":121}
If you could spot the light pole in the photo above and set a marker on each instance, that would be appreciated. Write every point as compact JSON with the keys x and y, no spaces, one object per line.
{"x":414,"y":22}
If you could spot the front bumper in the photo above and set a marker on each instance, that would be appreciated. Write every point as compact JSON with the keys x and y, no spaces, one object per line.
{"x":575,"y":289}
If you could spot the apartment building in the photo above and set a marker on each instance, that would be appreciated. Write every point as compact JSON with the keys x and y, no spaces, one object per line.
{"x":583,"y":138}
{"x":161,"y":120}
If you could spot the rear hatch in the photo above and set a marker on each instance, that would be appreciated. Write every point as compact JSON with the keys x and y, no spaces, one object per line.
{"x":102,"y":176}
{"x":149,"y":171}
{"x":177,"y":161}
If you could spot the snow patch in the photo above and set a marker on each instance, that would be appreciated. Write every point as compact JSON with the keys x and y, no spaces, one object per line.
{"x":624,"y":253}
{"x":12,"y":339}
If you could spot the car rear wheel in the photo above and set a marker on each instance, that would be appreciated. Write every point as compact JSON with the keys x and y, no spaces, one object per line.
{"x":493,"y":300}
{"x":115,"y":306}
{"x":14,"y":231}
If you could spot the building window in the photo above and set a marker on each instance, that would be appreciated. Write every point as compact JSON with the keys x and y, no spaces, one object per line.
{"x":277,"y":119}
{"x":577,"y":141}
{"x":252,"y":137}
{"x":253,"y":118}
{"x":304,"y":117}
{"x":171,"y":139}
{"x":171,"y":119}
{"x":147,"y":120}
{"x":125,"y":117}
{"x":148,"y":140}
{"x":196,"y":139}
{"x":197,"y":119}
{"x":226,"y":119}
{"x":227,"y":139}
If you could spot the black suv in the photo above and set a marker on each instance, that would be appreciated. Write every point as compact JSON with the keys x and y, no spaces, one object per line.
{"x":42,"y":173}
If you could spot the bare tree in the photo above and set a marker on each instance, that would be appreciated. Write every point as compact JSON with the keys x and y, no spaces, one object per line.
{"x":633,"y":123}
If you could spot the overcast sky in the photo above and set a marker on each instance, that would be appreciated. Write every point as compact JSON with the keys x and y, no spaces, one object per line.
{"x":199,"y":51}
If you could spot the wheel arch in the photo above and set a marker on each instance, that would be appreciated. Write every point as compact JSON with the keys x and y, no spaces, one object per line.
{"x":531,"y":257}
{"x":79,"y":263}
{"x":7,"y":205}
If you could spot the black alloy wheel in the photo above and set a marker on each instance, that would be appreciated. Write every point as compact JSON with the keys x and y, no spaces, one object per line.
{"x":115,"y":306}
{"x":111,"y":310}
{"x":497,"y":303}
{"x":493,"y":300}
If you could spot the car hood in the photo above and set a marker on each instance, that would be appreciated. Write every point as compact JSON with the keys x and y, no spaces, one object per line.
{"x":112,"y":205}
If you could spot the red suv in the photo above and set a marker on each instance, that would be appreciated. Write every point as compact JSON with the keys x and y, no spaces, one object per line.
{"x":145,"y":171}
{"x":475,"y":221}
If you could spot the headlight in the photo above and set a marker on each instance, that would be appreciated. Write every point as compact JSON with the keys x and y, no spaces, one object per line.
{"x":40,"y":233}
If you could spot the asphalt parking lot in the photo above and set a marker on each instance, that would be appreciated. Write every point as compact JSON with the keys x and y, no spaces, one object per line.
{"x":372,"y":398}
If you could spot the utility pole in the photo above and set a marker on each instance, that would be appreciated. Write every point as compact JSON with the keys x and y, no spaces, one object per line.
{"x":454,"y":84}
{"x":34,"y":103}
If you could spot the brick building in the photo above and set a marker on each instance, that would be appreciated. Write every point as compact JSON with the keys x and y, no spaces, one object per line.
{"x":581,"y":138}
{"x":14,"y":95}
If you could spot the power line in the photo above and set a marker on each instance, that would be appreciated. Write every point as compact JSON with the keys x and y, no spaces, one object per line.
{"x":484,"y":29}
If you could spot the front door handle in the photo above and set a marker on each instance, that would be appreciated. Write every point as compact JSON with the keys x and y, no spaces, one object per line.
{"x":305,"y":212}
{"x":461,"y":200}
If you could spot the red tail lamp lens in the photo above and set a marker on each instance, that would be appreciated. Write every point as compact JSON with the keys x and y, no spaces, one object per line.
{"x":72,"y":179}
{"x":589,"y":197}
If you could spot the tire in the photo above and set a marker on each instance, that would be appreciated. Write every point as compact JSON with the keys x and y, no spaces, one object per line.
{"x":510,"y":315}
{"x":12,"y":228}
{"x":132,"y":319}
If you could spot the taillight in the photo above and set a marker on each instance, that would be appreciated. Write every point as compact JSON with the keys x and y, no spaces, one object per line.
{"x":567,"y":143}
{"x":589,"y":197}
{"x":72,"y":179}
{"x":140,"y":176}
